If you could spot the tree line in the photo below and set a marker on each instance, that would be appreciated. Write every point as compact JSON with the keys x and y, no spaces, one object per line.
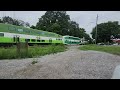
{"x":53,"y":21}
{"x":59,"y":22}
{"x":106,"y":31}
{"x":10,"y":20}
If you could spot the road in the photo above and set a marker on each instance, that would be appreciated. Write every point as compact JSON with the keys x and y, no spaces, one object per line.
{"x":71,"y":64}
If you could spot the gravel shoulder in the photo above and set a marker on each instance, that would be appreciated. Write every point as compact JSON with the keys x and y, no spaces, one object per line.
{"x":71,"y":64}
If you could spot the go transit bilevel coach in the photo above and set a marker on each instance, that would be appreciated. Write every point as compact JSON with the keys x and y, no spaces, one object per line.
{"x":10,"y":34}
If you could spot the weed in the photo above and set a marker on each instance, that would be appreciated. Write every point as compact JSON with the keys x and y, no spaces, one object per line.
{"x":33,"y":51}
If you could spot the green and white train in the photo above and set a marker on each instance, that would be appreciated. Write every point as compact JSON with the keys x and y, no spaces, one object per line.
{"x":10,"y":34}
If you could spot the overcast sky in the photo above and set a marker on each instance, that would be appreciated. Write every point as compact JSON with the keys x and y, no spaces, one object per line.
{"x":85,"y":19}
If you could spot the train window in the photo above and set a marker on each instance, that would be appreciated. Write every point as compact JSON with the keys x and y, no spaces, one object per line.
{"x":43,"y":40}
{"x":14,"y":39}
{"x":38,"y":40}
{"x":33,"y":40}
{"x":2,"y":34}
{"x":27,"y":40}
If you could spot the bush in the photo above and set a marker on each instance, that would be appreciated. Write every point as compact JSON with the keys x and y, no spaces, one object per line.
{"x":33,"y":51}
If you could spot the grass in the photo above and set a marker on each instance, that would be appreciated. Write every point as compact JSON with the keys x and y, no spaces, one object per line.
{"x":109,"y":49}
{"x":33,"y":51}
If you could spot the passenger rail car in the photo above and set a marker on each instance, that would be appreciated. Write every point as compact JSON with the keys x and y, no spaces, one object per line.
{"x":71,"y":40}
{"x":11,"y":34}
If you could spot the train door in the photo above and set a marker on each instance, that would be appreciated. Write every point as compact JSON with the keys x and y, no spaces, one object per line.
{"x":16,"y":38}
{"x":50,"y":40}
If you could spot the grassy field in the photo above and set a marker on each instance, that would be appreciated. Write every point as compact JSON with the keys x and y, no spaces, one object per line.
{"x":109,"y":49}
{"x":33,"y":51}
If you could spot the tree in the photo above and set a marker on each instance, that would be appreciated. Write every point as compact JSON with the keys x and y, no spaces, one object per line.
{"x":27,"y":24}
{"x":54,"y":18}
{"x":12,"y":21}
{"x":87,"y":37}
{"x":59,"y":22}
{"x":33,"y":27}
{"x":8,"y":20}
{"x":55,"y":28}
{"x":74,"y":29}
{"x":21,"y":22}
{"x":82,"y":32}
{"x":105,"y":30}
{"x":16,"y":22}
{"x":1,"y":21}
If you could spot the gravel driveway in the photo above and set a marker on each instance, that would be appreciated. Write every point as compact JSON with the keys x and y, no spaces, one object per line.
{"x":71,"y":64}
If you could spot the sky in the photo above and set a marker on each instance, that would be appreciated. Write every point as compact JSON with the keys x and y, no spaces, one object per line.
{"x":85,"y":19}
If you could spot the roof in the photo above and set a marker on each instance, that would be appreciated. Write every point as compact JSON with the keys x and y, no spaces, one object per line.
{"x":116,"y":40}
{"x":23,"y":30}
{"x":70,"y":36}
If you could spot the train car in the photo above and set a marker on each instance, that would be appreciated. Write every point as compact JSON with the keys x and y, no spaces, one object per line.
{"x":71,"y":40}
{"x":10,"y":34}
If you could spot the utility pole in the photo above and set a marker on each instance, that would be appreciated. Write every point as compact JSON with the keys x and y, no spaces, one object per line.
{"x":13,"y":14}
{"x":96,"y":30}
{"x":3,"y":14}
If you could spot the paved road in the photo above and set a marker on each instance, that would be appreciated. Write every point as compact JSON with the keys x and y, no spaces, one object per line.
{"x":71,"y":64}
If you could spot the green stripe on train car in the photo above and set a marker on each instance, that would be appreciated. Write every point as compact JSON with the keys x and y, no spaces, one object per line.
{"x":11,"y":40}
{"x":6,"y":40}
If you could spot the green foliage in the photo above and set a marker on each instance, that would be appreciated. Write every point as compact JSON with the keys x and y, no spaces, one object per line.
{"x":33,"y":51}
{"x":54,"y":20}
{"x":33,"y":27}
{"x":109,"y":49}
{"x":1,"y":21}
{"x":12,"y":21}
{"x":105,"y":30}
{"x":60,"y":23}
{"x":55,"y":28}
{"x":74,"y":29}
